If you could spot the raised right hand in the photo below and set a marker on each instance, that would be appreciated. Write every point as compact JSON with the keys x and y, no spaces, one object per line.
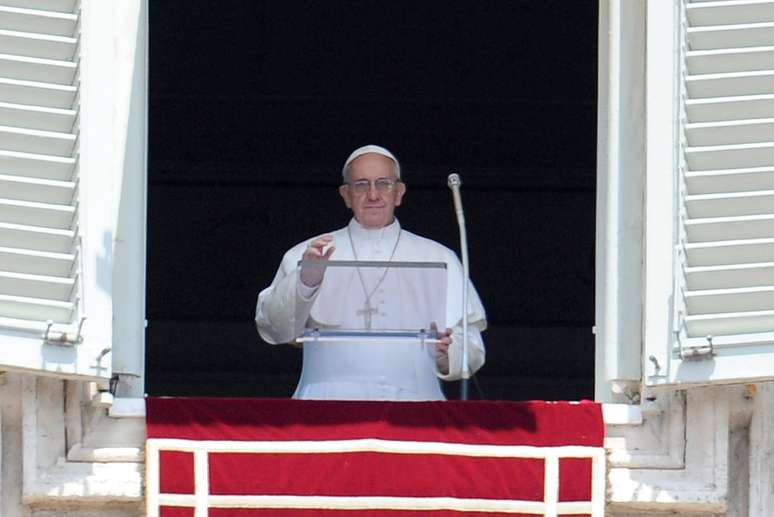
{"x":315,"y":250}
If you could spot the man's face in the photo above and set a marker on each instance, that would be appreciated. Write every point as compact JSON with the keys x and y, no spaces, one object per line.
{"x":373,"y":208}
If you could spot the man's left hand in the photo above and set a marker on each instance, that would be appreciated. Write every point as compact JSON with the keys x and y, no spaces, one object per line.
{"x":442,"y":347}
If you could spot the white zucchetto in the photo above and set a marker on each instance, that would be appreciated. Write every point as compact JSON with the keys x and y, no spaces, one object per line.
{"x":370,"y":149}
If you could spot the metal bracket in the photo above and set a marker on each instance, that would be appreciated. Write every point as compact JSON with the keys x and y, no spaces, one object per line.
{"x":701,"y":351}
{"x":698,"y":352}
{"x":59,"y":338}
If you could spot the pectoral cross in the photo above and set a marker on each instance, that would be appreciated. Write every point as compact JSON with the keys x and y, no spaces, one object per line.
{"x":366,"y":312}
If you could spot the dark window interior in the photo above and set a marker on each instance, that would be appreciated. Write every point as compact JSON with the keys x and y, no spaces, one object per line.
{"x":254,"y":105}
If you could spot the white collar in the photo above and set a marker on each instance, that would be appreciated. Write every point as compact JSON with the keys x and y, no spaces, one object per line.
{"x":361,"y":233}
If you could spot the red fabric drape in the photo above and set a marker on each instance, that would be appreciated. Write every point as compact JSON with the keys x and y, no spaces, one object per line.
{"x":372,"y":473}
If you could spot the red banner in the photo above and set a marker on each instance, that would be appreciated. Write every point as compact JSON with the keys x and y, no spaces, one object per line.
{"x":258,"y":457}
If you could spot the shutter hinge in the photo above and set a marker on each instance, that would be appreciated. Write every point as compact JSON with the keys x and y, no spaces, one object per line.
{"x":705,"y":350}
{"x":61,"y":338}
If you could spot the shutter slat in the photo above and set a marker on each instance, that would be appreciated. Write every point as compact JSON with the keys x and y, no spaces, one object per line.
{"x":730,"y":108}
{"x":37,"y":117}
{"x":36,"y":141}
{"x":731,"y":36}
{"x":730,"y":84}
{"x":729,"y":60}
{"x":32,"y":189}
{"x":37,"y":165}
{"x":40,"y":309}
{"x":36,"y":69}
{"x":61,"y":6}
{"x":729,"y":252}
{"x":733,"y":132}
{"x":730,"y":323}
{"x":729,"y":12}
{"x":40,"y":95}
{"x":37,"y":45}
{"x":39,"y":214}
{"x":760,"y":154}
{"x":36,"y":262}
{"x":730,"y":228}
{"x":728,"y":277}
{"x":36,"y":238}
{"x":37,"y":21}
{"x":36,"y":286}
{"x":730,"y":204}
{"x":742,"y":299}
{"x":730,"y":180}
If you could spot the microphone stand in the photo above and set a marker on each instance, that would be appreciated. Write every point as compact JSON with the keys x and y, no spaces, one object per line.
{"x":454,"y":183}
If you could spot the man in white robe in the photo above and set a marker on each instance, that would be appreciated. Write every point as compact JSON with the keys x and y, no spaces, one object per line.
{"x":370,"y":371}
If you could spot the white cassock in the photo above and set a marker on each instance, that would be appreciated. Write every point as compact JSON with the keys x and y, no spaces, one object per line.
{"x":371,"y":371}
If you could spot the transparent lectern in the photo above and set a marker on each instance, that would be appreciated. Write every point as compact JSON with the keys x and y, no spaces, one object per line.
{"x":369,"y":301}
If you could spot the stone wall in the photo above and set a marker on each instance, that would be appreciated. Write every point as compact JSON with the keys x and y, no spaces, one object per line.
{"x":63,"y":455}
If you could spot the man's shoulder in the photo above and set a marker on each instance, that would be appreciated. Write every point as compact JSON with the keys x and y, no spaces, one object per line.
{"x":428,"y":246}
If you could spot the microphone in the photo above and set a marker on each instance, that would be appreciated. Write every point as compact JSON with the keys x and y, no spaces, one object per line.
{"x":454,"y":181}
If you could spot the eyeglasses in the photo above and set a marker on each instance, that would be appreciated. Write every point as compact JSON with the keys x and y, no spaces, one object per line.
{"x":382,"y":185}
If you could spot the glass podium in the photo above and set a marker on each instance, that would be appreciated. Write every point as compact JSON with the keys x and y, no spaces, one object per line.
{"x":370,"y":301}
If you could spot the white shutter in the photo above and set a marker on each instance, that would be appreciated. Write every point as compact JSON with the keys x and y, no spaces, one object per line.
{"x":38,"y":169}
{"x":724,"y":298}
{"x":41,"y":302}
